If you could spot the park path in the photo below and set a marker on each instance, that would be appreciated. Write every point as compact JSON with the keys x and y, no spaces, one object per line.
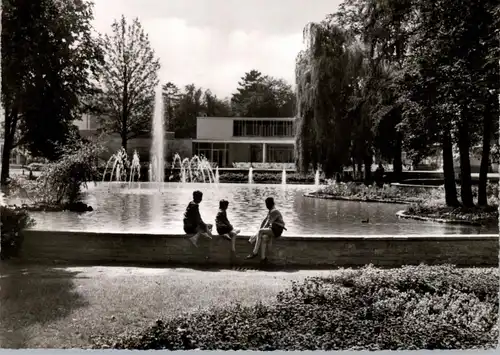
{"x":64,"y":307}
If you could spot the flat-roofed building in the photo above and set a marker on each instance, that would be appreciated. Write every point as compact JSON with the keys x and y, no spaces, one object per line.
{"x":227,"y":141}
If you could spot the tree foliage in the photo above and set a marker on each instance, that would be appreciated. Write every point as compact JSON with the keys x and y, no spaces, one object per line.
{"x":183,"y":107}
{"x":128,"y":77}
{"x":61,"y":181}
{"x":329,"y":77}
{"x":47,"y":55}
{"x":263,"y":96}
{"x":428,"y":77}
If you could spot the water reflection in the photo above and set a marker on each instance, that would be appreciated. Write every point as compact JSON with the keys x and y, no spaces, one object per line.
{"x":145,"y":209}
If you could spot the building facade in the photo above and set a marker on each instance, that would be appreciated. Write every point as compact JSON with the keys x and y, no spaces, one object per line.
{"x":227,"y":141}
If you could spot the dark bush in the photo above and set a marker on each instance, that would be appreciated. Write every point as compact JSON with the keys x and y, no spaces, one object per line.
{"x":13,"y":223}
{"x":267,"y":178}
{"x":422,"y":307}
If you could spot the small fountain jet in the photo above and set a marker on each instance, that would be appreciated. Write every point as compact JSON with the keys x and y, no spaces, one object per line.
{"x":196,"y":169}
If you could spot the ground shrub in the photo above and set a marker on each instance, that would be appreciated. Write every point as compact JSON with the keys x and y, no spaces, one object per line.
{"x":387,"y":192}
{"x":12,"y":224}
{"x":61,"y":181}
{"x":266,"y":178}
{"x":417,"y":307}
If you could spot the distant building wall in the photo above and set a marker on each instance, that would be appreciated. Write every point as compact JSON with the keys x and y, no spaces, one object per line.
{"x":214,"y":128}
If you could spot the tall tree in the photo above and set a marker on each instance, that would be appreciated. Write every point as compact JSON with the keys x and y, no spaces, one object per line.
{"x":189,"y":109}
{"x":128,"y":77}
{"x":47,"y":54}
{"x":452,"y":48}
{"x":215,"y":107}
{"x":171,"y":97}
{"x":487,"y":69}
{"x":263,"y":96}
{"x":182,"y":107}
{"x":385,"y":28}
{"x":328,"y":77}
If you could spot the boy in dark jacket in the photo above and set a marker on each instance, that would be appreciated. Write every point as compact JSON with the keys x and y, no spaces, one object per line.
{"x":193,"y":224}
{"x":224,"y":227}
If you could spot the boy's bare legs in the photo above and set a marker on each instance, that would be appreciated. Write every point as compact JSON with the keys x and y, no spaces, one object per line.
{"x":232,"y":235}
{"x":201,"y":232}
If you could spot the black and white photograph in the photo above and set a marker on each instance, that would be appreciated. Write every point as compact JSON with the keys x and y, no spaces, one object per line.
{"x":249,"y":175}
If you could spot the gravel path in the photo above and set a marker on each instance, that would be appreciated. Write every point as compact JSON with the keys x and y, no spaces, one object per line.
{"x":65,"y":307}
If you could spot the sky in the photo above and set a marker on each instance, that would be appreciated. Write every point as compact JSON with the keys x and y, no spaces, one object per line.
{"x":212,"y":43}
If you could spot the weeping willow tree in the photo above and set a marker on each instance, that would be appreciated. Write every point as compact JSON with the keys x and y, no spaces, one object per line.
{"x":328,"y":76}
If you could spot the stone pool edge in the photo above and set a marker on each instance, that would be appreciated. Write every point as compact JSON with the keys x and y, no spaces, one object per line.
{"x":288,"y":252}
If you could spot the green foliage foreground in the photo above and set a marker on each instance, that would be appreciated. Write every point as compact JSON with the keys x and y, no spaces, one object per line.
{"x":417,"y":307}
{"x":61,"y":181}
{"x":12,"y":224}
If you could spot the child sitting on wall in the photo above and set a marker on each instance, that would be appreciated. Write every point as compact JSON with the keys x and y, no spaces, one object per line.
{"x":193,"y":224}
{"x":271,"y":227}
{"x":224,"y":227}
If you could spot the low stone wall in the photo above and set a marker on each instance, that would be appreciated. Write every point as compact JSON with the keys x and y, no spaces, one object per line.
{"x":89,"y":248}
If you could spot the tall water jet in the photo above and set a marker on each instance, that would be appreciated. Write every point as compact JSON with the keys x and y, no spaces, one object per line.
{"x":316,"y":178}
{"x":250,"y":175}
{"x":283,"y":176}
{"x":135,"y":168}
{"x":217,"y":174}
{"x":158,"y":144}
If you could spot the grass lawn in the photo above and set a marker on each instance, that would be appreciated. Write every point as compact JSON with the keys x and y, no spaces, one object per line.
{"x":65,"y":308}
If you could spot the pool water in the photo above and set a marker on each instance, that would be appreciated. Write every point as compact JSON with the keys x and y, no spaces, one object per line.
{"x":146,"y":208}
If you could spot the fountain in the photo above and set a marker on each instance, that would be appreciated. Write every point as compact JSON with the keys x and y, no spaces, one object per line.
{"x":217,"y":174}
{"x":283,"y":176}
{"x":120,"y":163}
{"x":196,"y":169}
{"x":316,"y":178}
{"x":250,"y":175}
{"x":157,"y":164}
{"x":135,"y":168}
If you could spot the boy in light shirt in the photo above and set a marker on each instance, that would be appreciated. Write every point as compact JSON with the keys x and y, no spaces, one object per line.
{"x":271,"y":227}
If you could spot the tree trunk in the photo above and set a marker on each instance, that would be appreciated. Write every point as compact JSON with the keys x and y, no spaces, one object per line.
{"x":124,"y":131}
{"x":10,"y":131}
{"x":450,"y":186}
{"x":368,"y":170}
{"x":360,"y":170}
{"x":482,"y":198}
{"x":397,"y":162}
{"x":465,"y":170}
{"x":124,"y":141}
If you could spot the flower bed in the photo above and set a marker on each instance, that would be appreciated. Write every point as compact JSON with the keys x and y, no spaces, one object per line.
{"x":475,"y":216}
{"x":394,"y":194}
{"x":424,"y":307}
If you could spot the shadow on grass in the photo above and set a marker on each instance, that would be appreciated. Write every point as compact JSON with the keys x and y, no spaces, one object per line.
{"x":33,"y":295}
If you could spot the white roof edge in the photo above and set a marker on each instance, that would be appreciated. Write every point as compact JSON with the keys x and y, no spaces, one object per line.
{"x":249,"y":118}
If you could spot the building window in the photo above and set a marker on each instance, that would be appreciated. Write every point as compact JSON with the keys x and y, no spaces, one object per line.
{"x":255,"y":128}
{"x":216,"y":153}
{"x":280,"y":153}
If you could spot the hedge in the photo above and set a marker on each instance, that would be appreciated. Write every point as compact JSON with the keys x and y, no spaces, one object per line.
{"x":414,"y":307}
